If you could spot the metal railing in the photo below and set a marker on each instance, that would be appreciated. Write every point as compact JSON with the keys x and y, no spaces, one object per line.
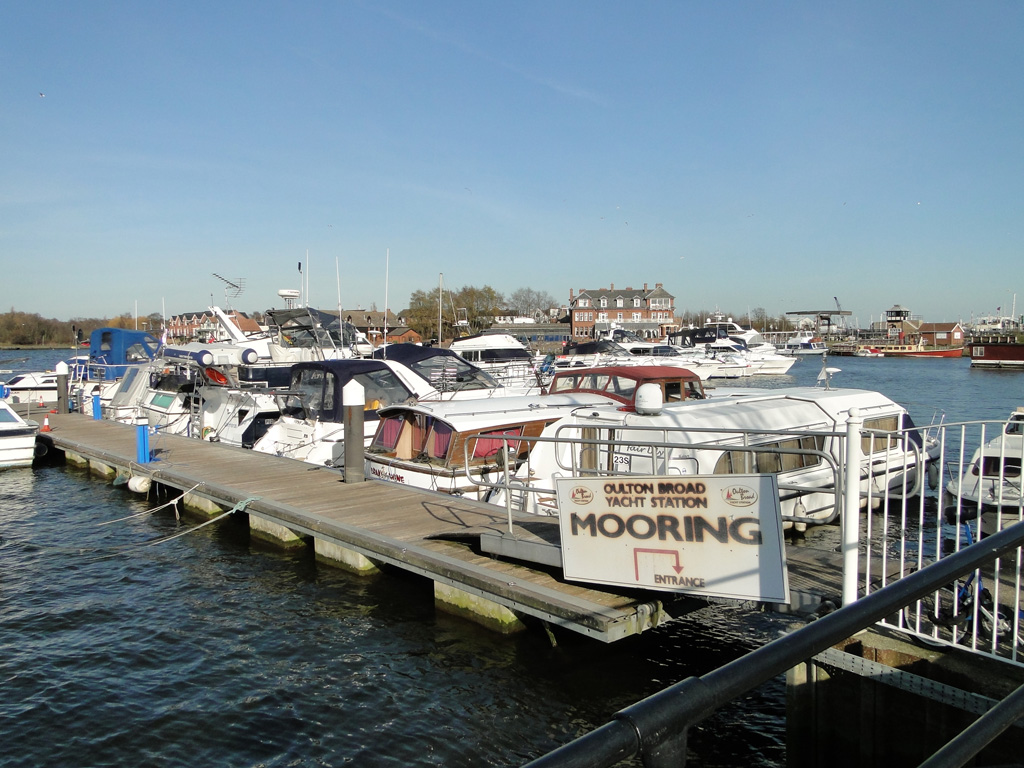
{"x":895,"y":522}
{"x":978,"y":495}
{"x":656,"y":728}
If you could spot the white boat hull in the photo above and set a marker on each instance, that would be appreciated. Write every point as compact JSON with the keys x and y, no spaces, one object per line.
{"x":17,"y":447}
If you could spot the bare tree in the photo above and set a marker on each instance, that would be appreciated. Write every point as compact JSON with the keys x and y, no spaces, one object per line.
{"x":526,"y":301}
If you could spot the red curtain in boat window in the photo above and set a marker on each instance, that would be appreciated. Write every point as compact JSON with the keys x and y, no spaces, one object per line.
{"x":442,"y":438}
{"x":420,"y":428}
{"x":389,"y":432}
{"x":490,"y":442}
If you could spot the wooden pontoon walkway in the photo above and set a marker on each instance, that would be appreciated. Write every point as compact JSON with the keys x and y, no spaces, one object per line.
{"x":416,"y":530}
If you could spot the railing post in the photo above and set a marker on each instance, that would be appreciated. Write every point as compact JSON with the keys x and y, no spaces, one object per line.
{"x":851,"y":508}
{"x":353,"y":398}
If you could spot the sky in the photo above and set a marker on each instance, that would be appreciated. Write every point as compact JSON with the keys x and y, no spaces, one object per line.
{"x":747,"y":155}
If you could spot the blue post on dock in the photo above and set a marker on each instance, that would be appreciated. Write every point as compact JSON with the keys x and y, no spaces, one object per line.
{"x":142,"y":455}
{"x":97,"y":408}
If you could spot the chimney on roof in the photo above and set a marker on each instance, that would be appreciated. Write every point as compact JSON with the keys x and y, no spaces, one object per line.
{"x":611,"y":286}
{"x":645,"y":286}
{"x":657,"y":285}
{"x":570,"y":295}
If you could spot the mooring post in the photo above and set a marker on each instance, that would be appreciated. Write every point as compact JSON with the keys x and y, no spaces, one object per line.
{"x":61,"y":370}
{"x":353,"y":398}
{"x":142,"y":454}
{"x":851,"y":507}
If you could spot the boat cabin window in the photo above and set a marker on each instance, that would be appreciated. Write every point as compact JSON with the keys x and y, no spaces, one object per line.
{"x":990,"y":467}
{"x":403,"y":435}
{"x":872,"y":443}
{"x":503,"y":355}
{"x":311,"y":395}
{"x":1014,"y":426}
{"x":136,"y":353}
{"x":677,"y":391}
{"x":449,"y":374}
{"x":7,"y":416}
{"x":783,"y":456}
{"x":487,"y":444}
{"x":381,"y":389}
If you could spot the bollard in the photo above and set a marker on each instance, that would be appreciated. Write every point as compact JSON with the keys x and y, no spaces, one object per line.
{"x":142,"y":455}
{"x":353,"y":399}
{"x":61,"y":370}
{"x":97,"y":408}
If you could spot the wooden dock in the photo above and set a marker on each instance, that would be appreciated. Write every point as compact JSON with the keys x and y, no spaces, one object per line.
{"x":366,"y":524}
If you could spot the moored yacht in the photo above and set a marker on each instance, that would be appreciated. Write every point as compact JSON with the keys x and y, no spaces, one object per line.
{"x":461,"y":446}
{"x":311,"y":425}
{"x":992,"y":479}
{"x":501,"y":355}
{"x":804,"y":343}
{"x":790,"y":433}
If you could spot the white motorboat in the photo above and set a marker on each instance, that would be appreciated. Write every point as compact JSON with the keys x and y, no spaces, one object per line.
{"x":744,"y":354}
{"x":605,"y":352}
{"x":17,"y":436}
{"x":501,"y":355}
{"x":992,"y":480}
{"x":311,"y":426}
{"x":460,"y":446}
{"x":804,"y":343}
{"x":785,"y":432}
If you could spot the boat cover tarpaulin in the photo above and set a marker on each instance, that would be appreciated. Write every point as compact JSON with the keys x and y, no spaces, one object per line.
{"x":112,"y":350}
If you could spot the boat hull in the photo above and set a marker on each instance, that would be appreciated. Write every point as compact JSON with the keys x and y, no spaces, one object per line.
{"x":938,"y":352}
{"x":17,"y":447}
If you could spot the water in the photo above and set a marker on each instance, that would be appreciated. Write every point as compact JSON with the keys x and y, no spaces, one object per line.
{"x":211,"y":650}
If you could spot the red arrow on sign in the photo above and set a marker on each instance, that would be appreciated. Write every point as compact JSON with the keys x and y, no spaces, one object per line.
{"x":636,"y":560}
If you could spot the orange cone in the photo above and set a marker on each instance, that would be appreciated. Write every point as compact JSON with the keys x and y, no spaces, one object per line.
{"x":46,"y":424}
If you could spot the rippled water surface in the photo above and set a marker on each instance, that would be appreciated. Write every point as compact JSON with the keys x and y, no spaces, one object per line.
{"x":209,"y":650}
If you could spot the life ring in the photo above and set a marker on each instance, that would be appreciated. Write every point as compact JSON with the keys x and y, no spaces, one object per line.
{"x":206,"y":432}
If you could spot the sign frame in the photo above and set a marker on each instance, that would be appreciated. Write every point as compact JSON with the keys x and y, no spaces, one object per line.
{"x":702,"y":535}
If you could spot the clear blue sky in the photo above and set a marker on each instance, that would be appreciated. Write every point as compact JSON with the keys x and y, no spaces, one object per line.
{"x":745,"y":154}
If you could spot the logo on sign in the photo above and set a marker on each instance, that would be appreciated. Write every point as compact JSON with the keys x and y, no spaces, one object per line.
{"x":581,"y":495}
{"x":739,"y":495}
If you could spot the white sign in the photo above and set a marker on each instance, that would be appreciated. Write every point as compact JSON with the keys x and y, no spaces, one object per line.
{"x":706,"y":535}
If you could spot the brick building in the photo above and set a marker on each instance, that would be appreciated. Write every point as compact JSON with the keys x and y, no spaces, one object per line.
{"x":649,"y":313}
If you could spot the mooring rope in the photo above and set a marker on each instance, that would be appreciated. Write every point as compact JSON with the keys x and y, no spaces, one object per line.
{"x":119,"y":549}
{"x":237,"y":508}
{"x":173,"y":502}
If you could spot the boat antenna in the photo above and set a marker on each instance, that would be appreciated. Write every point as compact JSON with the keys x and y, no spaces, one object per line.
{"x":232,"y":288}
{"x":826,"y":372}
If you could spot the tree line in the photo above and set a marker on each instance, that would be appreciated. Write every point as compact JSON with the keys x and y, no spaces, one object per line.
{"x":473,"y":306}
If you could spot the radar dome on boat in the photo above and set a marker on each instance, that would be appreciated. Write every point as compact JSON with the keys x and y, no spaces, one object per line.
{"x":649,"y":399}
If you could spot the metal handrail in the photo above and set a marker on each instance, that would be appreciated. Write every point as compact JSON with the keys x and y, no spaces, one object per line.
{"x":657,"y":727}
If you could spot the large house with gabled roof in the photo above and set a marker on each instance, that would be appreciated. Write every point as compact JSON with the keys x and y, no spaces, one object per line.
{"x":649,"y":313}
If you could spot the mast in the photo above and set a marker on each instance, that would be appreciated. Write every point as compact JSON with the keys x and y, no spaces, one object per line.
{"x":341,"y":326}
{"x":387,"y":267}
{"x":440,"y":293}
